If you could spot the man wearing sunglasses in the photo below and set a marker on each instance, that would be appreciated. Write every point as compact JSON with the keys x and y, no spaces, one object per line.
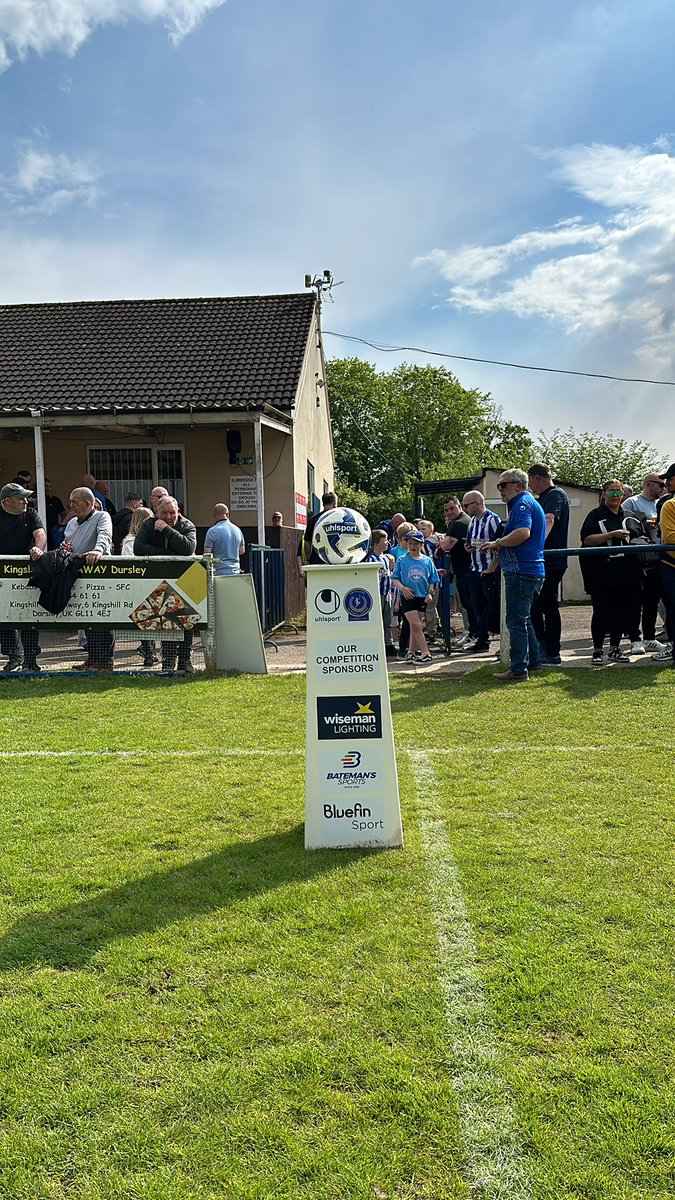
{"x":521,"y":558}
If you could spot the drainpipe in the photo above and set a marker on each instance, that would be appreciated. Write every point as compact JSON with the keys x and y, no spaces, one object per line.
{"x":259,"y":481}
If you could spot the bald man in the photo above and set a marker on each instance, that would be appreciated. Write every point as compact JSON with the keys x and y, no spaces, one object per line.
{"x":225,"y":542}
{"x":484,"y":576}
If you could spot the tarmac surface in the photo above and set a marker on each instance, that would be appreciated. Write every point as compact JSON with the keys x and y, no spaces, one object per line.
{"x":290,"y":655}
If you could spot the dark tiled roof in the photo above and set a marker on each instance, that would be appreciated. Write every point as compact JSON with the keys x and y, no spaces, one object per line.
{"x":151,"y":355}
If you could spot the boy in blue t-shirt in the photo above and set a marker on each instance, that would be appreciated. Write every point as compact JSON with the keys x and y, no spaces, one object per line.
{"x":413,"y":576}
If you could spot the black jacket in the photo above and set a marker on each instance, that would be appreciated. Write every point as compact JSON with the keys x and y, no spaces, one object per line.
{"x":179,"y":541}
{"x":54,"y":573}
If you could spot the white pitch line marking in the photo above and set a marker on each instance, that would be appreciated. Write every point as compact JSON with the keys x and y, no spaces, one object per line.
{"x":494,"y":1155}
{"x":154,"y":752}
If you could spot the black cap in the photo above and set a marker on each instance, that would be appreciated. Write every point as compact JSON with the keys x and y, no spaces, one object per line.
{"x":668,"y":474}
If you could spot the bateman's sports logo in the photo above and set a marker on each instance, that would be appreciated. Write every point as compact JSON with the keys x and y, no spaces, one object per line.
{"x":348,"y":717}
{"x":350,"y":776}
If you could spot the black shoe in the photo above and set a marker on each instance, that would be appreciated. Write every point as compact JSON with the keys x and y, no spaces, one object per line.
{"x":391,"y":651}
{"x":13,"y":663}
{"x":479,"y":648}
{"x":30,"y":666}
{"x":186,"y":666}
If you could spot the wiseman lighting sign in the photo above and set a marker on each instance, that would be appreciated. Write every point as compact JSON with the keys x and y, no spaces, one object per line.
{"x":152,"y":595}
{"x":351,"y":792}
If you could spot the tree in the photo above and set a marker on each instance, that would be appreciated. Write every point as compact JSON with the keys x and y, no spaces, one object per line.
{"x":414,"y":423}
{"x":591,"y":458}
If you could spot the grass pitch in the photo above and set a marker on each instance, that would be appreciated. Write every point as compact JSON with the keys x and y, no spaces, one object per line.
{"x":193,"y":1007}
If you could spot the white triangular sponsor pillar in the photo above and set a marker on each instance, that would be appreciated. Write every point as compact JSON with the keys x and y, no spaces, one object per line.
{"x":351,"y":782}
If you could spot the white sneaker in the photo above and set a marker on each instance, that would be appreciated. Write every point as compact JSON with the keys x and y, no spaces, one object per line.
{"x":652,"y":644}
{"x":462,"y":640}
{"x":664,"y":655}
{"x":637,"y":648}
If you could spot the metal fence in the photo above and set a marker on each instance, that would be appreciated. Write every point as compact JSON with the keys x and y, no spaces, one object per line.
{"x":134,"y":599}
{"x":269,"y":580}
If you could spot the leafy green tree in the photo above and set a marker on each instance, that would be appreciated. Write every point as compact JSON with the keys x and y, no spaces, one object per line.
{"x":591,"y":458}
{"x":414,"y":423}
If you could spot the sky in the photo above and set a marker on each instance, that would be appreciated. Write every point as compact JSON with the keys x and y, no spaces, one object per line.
{"x":494,"y":181}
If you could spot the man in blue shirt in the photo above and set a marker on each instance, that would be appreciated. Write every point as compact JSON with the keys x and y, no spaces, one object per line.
{"x":521,"y":558}
{"x":224,"y":541}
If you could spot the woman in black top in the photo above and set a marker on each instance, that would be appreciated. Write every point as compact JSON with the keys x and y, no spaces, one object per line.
{"x":613,"y":580}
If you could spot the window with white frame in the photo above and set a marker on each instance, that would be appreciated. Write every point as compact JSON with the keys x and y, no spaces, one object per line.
{"x":139,"y":469}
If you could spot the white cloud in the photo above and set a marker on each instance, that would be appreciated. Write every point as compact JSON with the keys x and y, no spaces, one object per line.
{"x":620,"y":275}
{"x":46,"y":183}
{"x":63,"y":25}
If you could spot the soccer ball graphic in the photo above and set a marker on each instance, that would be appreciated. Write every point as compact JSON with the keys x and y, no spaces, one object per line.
{"x":341,"y":536}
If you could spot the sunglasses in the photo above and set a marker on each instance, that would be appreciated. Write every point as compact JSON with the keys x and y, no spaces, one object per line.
{"x":507,"y":483}
{"x":614,"y":492}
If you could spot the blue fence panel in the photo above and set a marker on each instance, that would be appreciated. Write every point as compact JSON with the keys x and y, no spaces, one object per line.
{"x":269,"y":580}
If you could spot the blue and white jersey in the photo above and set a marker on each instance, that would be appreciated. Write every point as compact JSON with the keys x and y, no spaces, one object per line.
{"x":384,"y":573}
{"x":482,"y":529}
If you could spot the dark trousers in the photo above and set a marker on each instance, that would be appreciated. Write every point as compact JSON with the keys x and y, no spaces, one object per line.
{"x":481,"y":589}
{"x":183,"y":649}
{"x":546,"y":613}
{"x":616,"y":606}
{"x":651,"y":594}
{"x":667,"y":578}
{"x":9,"y":644}
{"x":463,"y":585}
{"x":100,"y":645}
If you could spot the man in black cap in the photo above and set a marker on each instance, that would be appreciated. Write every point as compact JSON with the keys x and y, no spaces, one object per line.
{"x":21,"y":532}
{"x":668,"y":481}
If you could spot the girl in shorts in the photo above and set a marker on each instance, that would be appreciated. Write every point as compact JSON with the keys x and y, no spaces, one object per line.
{"x":413,"y":576}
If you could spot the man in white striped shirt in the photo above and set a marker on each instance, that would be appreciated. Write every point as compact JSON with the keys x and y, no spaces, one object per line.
{"x":484,"y":577}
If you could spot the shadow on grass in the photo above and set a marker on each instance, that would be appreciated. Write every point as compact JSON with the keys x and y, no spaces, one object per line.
{"x":68,"y":937}
{"x":411,"y":694}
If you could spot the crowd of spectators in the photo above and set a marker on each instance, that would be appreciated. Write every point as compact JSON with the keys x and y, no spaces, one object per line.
{"x":89,"y":529}
{"x":628,"y":591}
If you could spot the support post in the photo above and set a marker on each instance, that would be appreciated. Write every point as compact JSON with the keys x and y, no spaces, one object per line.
{"x":40,"y":471}
{"x":259,"y":481}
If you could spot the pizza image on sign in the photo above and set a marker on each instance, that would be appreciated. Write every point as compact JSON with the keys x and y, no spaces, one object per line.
{"x":164,"y":609}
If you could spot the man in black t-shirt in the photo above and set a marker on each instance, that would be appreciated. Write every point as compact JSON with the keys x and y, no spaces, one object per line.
{"x":306,"y":552}
{"x":454,"y":543}
{"x":545,"y":607}
{"x":21,"y":532}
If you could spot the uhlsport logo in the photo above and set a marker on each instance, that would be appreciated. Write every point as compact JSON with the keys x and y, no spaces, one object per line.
{"x":327,"y":602}
{"x":358,"y":604}
{"x":348,"y":717}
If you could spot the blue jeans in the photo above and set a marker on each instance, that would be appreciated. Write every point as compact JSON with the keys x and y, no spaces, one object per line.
{"x":521,"y":590}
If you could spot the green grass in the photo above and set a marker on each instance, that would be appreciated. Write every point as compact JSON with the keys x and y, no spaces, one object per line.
{"x":193,"y":1007}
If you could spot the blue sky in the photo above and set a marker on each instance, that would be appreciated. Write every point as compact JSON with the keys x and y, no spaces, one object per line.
{"x":496,"y":182}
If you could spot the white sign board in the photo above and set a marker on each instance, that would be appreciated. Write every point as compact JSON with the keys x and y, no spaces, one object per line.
{"x":351,"y":789}
{"x":153,"y":595}
{"x":244,"y":493}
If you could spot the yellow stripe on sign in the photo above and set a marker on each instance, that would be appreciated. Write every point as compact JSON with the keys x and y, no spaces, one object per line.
{"x":193,"y":583}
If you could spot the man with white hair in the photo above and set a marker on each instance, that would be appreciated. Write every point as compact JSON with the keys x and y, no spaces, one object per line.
{"x":89,"y":533}
{"x":484,"y":576}
{"x":225,"y":542}
{"x":521,"y":558}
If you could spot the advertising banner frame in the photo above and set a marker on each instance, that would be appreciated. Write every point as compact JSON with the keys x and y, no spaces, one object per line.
{"x":155,"y":596}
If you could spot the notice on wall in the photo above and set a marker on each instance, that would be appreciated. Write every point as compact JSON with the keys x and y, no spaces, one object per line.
{"x":351,"y":783}
{"x":154,"y":595}
{"x":244,"y":493}
{"x":300,"y":510}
